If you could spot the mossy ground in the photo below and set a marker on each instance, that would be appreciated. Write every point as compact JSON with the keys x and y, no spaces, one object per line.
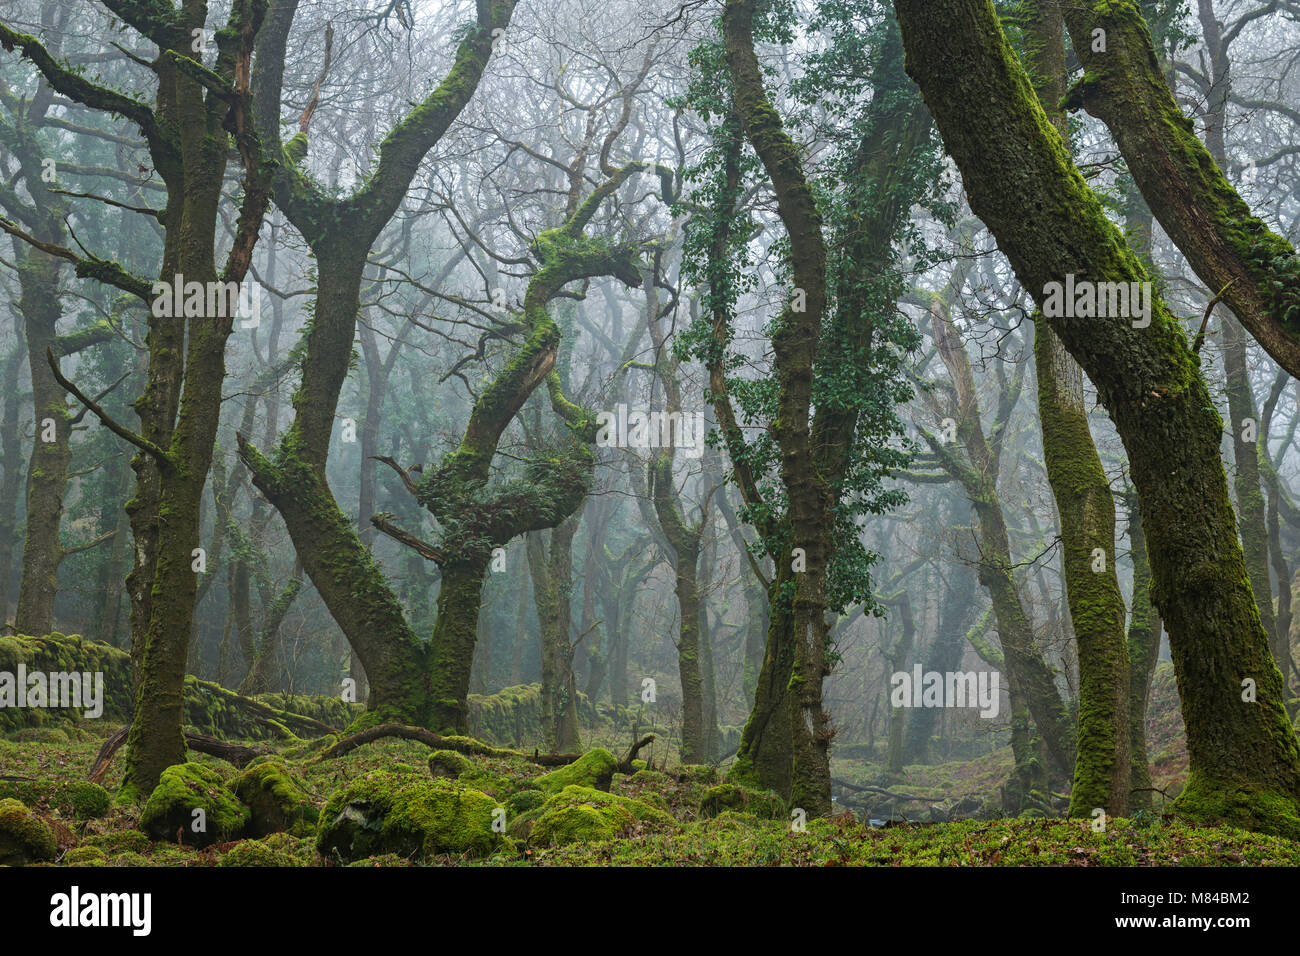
{"x":730,"y":838}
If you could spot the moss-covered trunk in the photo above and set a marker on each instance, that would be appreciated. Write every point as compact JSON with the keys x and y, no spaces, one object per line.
{"x":460,"y":595}
{"x":1244,"y":759}
{"x":1143,"y":648}
{"x":550,"y":568}
{"x":1085,"y":508}
{"x":47,"y":472}
{"x":11,"y":448}
{"x":352,"y":586}
{"x":794,"y":345}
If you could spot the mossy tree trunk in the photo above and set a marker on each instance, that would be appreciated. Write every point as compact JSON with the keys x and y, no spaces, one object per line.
{"x":1243,"y":416}
{"x":1244,"y":758}
{"x":341,"y":233}
{"x":550,"y":565}
{"x":189,"y":131}
{"x":11,"y":484}
{"x":39,"y":305}
{"x":1143,"y":649}
{"x":1085,"y":507}
{"x":802,"y":629}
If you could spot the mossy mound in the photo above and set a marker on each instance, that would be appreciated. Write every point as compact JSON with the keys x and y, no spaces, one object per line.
{"x":24,"y":837}
{"x":697,"y":773}
{"x":408,"y":815}
{"x":763,"y":804}
{"x":184,"y":789}
{"x":650,"y":778}
{"x":279,"y":849}
{"x":276,"y":801}
{"x":85,"y":856}
{"x":584,"y":815}
{"x":448,"y":763}
{"x":73,"y":798}
{"x":594,"y":769}
{"x":523,"y":801}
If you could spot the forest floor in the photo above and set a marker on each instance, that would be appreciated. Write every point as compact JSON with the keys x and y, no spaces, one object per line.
{"x":677,"y":818}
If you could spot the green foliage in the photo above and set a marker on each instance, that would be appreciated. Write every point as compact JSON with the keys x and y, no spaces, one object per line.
{"x":853,"y":81}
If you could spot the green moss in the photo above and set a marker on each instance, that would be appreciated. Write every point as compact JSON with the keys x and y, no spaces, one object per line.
{"x":522,"y":802}
{"x":276,"y":801}
{"x":595,"y":769}
{"x":1241,"y":804}
{"x":87,"y":799}
{"x":116,"y":841}
{"x":83,"y":855}
{"x":183,"y":789}
{"x":406,"y":814}
{"x":448,"y":763}
{"x":24,"y":837}
{"x":650,"y":778}
{"x":279,"y":849}
{"x":697,"y":773}
{"x":75,"y":798}
{"x":760,"y":803}
{"x":584,"y":815}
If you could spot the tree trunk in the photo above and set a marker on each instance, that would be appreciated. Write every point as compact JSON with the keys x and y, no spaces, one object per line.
{"x":1150,"y":383}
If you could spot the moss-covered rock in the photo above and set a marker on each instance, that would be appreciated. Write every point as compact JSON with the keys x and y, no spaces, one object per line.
{"x":276,"y":801}
{"x":594,"y":769}
{"x":332,"y":710}
{"x":585,"y":815}
{"x":448,"y":763}
{"x":87,"y":800}
{"x":84,"y":856}
{"x":24,"y":837}
{"x":409,"y":815}
{"x":650,"y":778}
{"x":278,"y":849}
{"x":184,"y":789}
{"x":763,"y":804}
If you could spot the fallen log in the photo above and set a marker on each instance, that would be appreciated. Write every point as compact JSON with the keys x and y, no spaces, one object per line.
{"x":237,"y":754}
